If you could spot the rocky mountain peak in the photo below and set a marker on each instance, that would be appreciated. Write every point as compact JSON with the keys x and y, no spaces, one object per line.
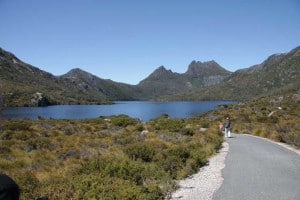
{"x":8,"y":57}
{"x":197,"y":68}
{"x":5,"y":54}
{"x":77,"y":73}
{"x":160,"y":71}
{"x":13,"y":67}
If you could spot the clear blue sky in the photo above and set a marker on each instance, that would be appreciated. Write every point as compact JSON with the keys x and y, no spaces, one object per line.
{"x":126,"y":40}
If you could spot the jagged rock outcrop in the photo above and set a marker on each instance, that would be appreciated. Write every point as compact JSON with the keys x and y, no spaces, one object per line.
{"x":204,"y":69}
{"x":40,"y":100}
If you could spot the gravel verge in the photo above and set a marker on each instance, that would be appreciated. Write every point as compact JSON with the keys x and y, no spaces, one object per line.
{"x":208,"y":180}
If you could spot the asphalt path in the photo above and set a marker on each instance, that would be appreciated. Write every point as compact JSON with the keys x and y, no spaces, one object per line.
{"x":256,"y":169}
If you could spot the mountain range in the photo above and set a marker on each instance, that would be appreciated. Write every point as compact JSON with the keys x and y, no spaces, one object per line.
{"x":25,"y":85}
{"x":278,"y":74}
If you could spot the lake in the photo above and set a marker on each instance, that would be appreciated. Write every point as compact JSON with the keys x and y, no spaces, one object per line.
{"x":143,"y":110}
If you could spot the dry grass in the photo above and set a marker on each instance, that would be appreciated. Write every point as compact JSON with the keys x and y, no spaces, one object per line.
{"x":274,"y":117}
{"x":103,"y":158}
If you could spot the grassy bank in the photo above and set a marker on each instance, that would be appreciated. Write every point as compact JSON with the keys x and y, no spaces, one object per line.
{"x":273,"y":117}
{"x":114,"y":157}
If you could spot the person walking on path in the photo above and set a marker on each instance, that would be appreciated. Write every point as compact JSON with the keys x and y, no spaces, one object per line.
{"x":227,"y":126}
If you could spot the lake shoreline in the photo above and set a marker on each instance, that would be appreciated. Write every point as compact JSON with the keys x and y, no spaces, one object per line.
{"x":143,"y":110}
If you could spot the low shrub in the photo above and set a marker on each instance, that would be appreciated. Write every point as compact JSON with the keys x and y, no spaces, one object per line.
{"x":28,"y":184}
{"x":184,"y":159}
{"x":140,"y":150}
{"x":125,"y":138}
{"x":274,"y":117}
{"x":291,"y":137}
{"x":4,"y":149}
{"x":17,"y":125}
{"x":103,"y":158}
{"x":163,"y":122}
{"x":40,"y":143}
{"x":123,"y":120}
{"x":114,"y":166}
{"x":188,"y":132}
{"x":133,"y":174}
{"x":204,"y":124}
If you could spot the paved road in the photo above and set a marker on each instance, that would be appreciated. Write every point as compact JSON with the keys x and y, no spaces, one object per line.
{"x":259,"y":170}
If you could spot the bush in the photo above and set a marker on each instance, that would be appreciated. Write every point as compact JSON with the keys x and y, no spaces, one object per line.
{"x":133,"y":176}
{"x":4,"y":149}
{"x":204,"y":124}
{"x":103,"y":159}
{"x":188,"y":132}
{"x":123,"y":121}
{"x":171,"y":164}
{"x":140,"y":150}
{"x":114,"y":167}
{"x":98,"y":186}
{"x":170,"y":161}
{"x":291,"y":137}
{"x":17,"y":125}
{"x":28,"y":183}
{"x":211,"y":137}
{"x":40,"y":143}
{"x":170,"y":124}
{"x":125,"y":138}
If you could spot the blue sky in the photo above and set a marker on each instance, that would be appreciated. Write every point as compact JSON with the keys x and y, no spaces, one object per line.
{"x":125,"y":41}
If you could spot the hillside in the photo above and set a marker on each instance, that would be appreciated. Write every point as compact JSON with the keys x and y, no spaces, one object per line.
{"x":161,"y":81}
{"x":25,"y":85}
{"x":90,"y":83}
{"x":199,"y":75}
{"x":277,"y":74}
{"x":274,"y":116}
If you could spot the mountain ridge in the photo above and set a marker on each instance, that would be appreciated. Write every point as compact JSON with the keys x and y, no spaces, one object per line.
{"x":166,"y":82}
{"x":275,"y":75}
{"x":22,"y":82}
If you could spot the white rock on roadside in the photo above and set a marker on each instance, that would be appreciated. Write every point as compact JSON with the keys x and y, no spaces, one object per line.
{"x":201,"y":186}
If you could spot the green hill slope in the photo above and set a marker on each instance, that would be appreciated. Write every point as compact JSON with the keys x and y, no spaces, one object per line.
{"x":25,"y":85}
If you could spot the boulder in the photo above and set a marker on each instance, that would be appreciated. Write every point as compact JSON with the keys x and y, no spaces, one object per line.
{"x":39,"y":100}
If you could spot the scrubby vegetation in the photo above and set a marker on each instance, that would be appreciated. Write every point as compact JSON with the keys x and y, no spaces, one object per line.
{"x":104,"y":158}
{"x":273,"y":117}
{"x":119,"y":157}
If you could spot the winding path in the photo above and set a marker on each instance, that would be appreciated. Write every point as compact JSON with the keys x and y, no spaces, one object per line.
{"x":255,"y":169}
{"x":259,"y":169}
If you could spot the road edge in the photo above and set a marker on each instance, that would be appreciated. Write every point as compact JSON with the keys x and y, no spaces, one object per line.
{"x":287,"y":146}
{"x":209,"y":179}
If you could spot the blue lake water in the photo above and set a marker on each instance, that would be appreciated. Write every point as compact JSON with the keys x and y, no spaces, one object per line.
{"x":143,"y":110}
